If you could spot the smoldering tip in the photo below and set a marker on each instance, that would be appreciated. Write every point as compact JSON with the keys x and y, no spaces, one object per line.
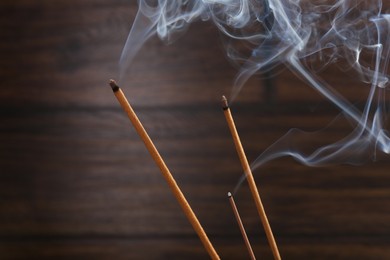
{"x":113,"y":85}
{"x":229,"y":194}
{"x":224,"y":103}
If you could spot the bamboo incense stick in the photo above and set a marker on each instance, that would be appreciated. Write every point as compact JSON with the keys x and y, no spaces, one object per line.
{"x":250,"y":179}
{"x":164,"y":170}
{"x":241,"y":226}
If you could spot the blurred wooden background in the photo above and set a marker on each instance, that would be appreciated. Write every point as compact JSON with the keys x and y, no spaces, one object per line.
{"x":77,"y":183}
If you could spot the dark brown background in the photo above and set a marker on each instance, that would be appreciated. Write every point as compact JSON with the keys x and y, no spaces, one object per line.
{"x":77,"y":183}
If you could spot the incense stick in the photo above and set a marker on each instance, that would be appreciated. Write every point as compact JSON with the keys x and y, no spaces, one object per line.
{"x":164,"y":170}
{"x":241,"y":226}
{"x":250,"y":179}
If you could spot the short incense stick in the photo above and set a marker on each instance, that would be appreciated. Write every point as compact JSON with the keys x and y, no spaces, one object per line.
{"x":249,"y":177}
{"x":241,"y":226}
{"x":164,"y":170}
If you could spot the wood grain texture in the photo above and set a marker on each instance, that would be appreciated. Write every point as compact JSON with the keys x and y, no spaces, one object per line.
{"x":76,"y":181}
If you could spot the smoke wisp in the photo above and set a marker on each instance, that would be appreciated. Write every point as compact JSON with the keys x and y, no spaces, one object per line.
{"x":261,"y":34}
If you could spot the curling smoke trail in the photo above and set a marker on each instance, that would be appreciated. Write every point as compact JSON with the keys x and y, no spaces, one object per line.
{"x":261,"y":34}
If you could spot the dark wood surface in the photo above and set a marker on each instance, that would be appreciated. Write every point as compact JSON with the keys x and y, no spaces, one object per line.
{"x":77,"y":183}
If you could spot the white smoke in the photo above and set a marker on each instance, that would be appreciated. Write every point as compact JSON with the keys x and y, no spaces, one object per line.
{"x":261,"y":34}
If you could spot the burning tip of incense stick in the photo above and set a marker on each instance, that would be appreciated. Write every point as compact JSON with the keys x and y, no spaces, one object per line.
{"x":224,"y":103}
{"x":229,"y":194}
{"x":113,"y":85}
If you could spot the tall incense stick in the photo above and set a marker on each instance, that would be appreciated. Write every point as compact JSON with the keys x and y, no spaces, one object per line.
{"x":249,"y":177}
{"x":164,"y":170}
{"x":241,"y":226}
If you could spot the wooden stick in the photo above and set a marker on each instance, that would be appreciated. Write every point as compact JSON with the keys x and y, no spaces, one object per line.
{"x":164,"y":170}
{"x":250,"y":179}
{"x":241,"y":226}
